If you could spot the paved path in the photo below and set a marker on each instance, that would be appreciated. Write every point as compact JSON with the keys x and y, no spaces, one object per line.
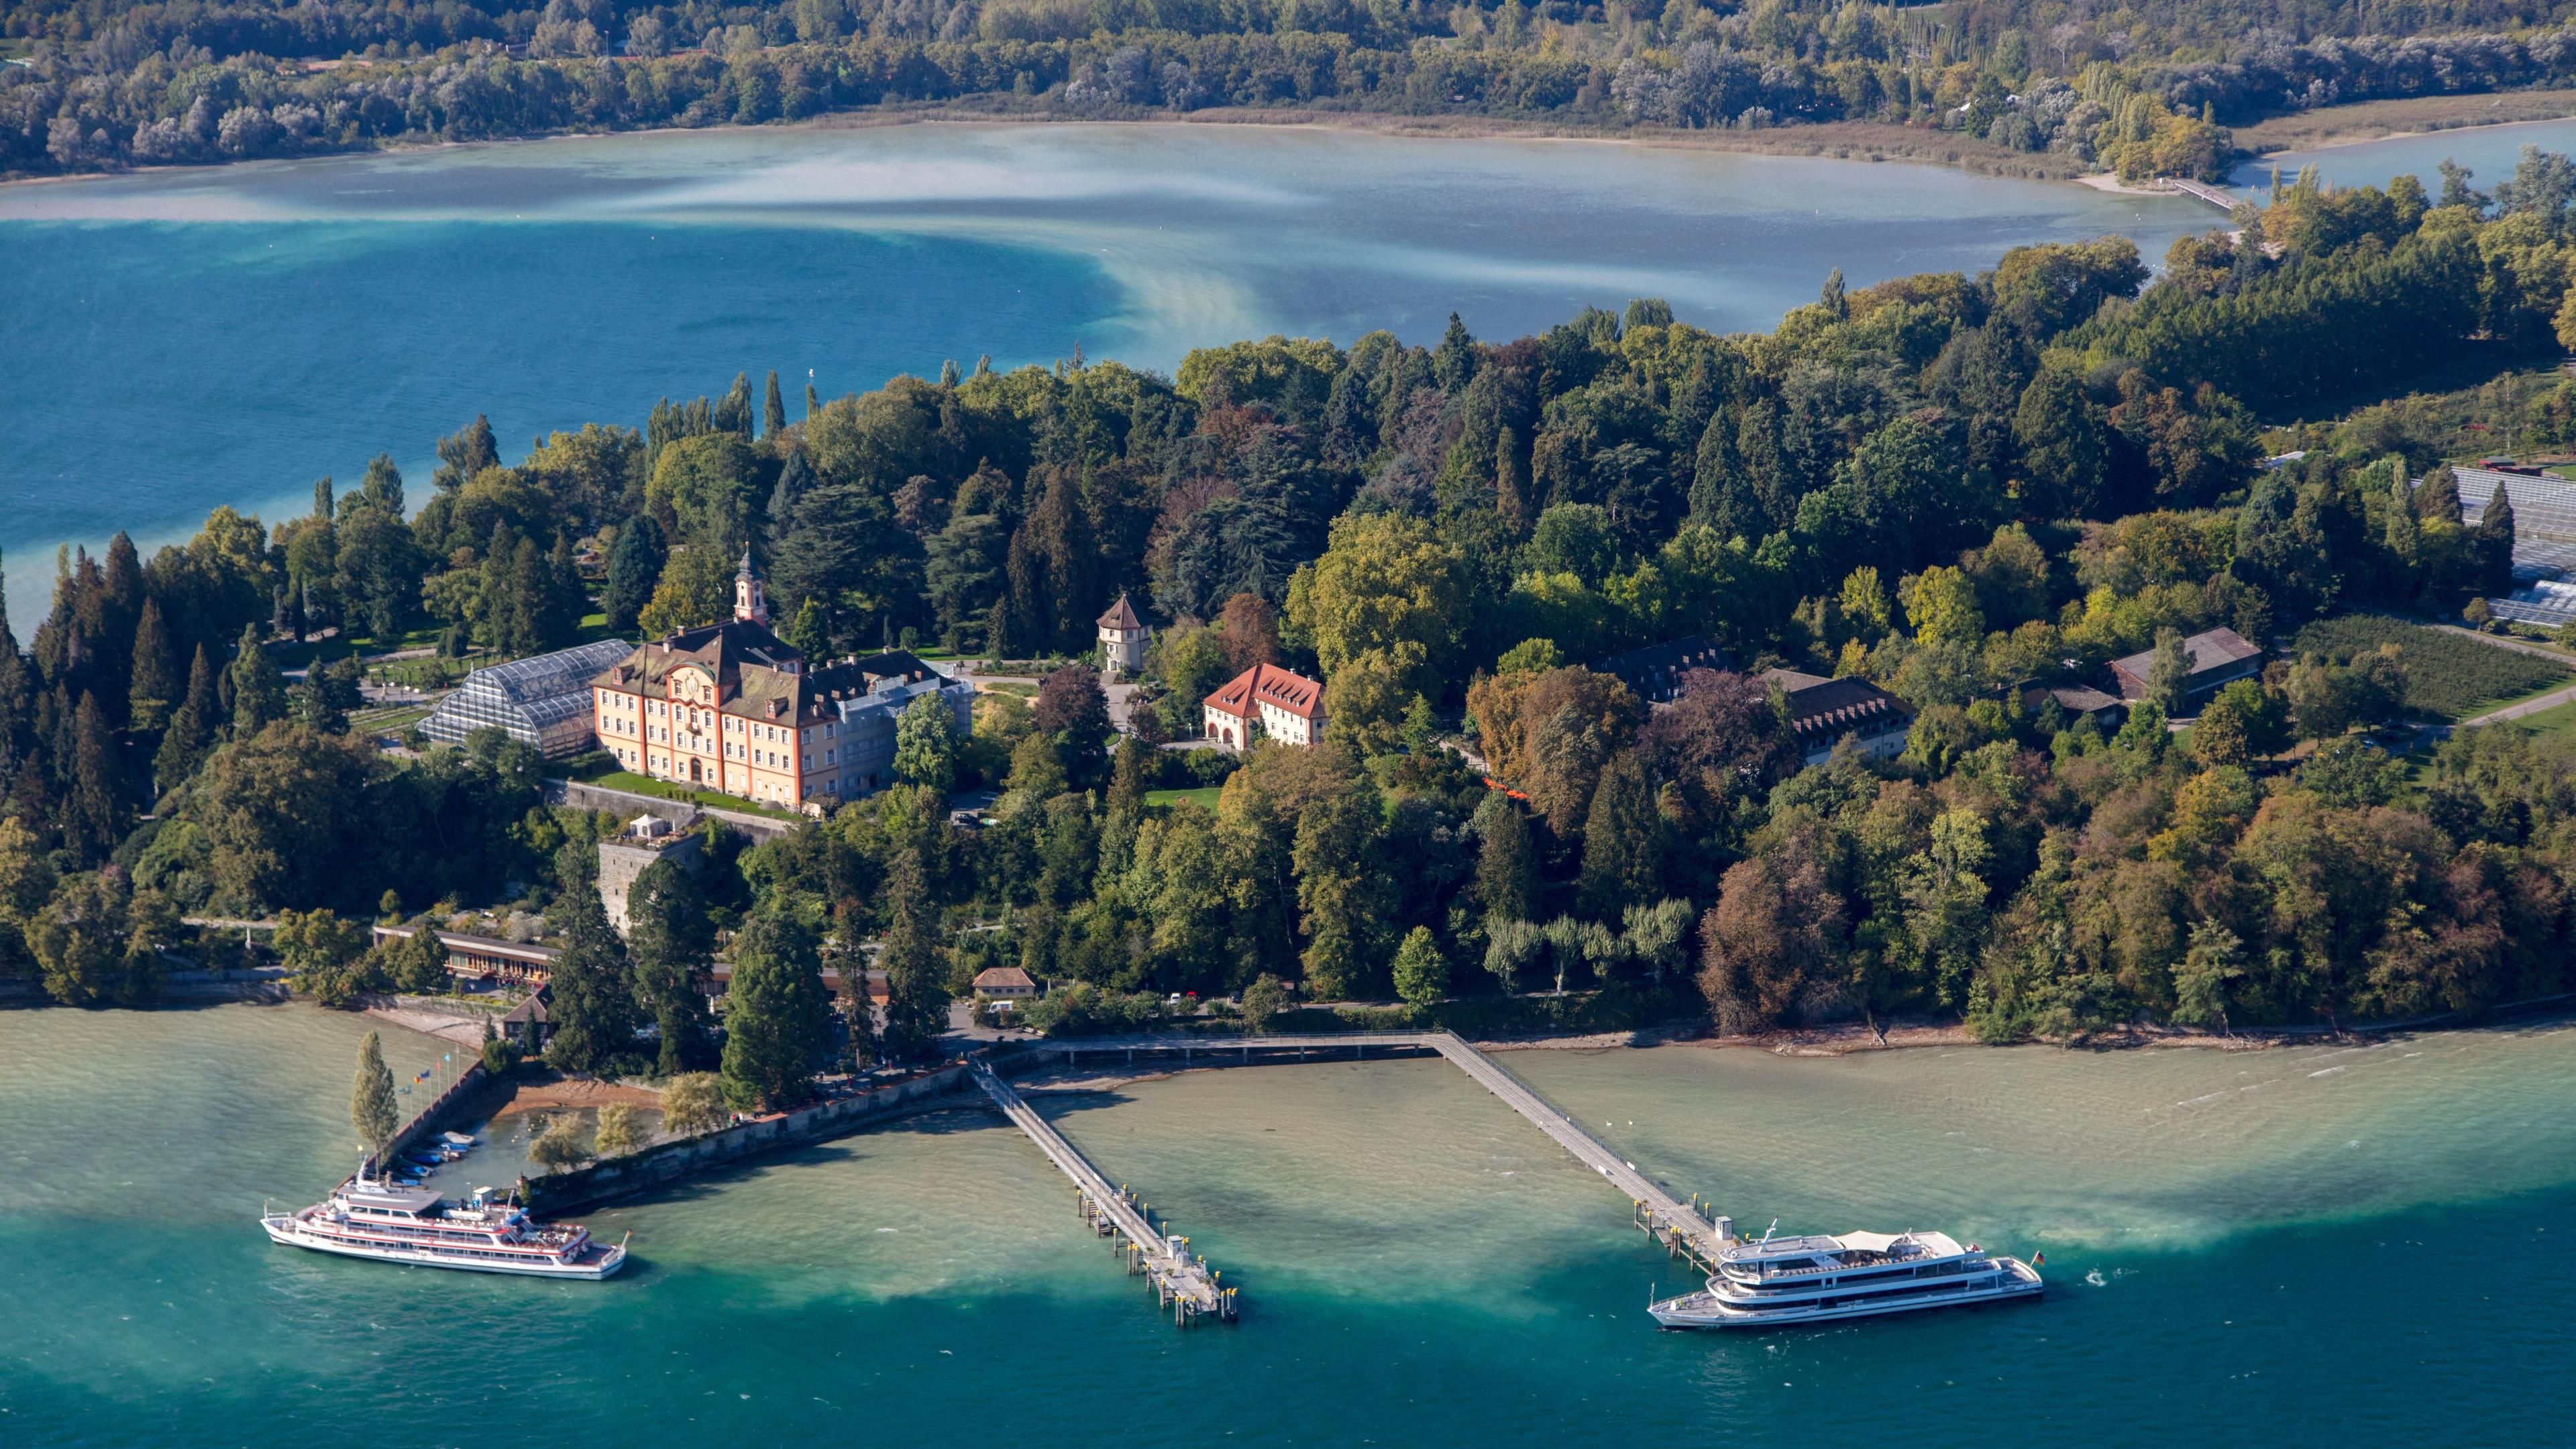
{"x":229,"y":923}
{"x":2551,"y":700}
{"x":2492,"y":641}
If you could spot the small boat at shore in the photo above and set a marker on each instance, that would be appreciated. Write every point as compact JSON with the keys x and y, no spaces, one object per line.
{"x":394,"y":1223}
{"x":1817,"y":1278}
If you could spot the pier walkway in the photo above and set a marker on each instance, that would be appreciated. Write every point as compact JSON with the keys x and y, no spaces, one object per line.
{"x":2217,"y":196}
{"x":1182,"y":1283}
{"x":1678,"y":1225}
{"x":1688,"y":1229}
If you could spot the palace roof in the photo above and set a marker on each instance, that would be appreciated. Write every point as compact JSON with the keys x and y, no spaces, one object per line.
{"x":1269,"y":684}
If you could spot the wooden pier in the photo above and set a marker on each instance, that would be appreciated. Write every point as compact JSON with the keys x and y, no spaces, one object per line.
{"x":1682,"y":1227}
{"x":2217,"y":196}
{"x":1182,"y":1283}
{"x":1687,"y":1229}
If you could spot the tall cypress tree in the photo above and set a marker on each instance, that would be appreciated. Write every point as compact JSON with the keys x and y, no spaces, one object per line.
{"x":120,"y":610}
{"x":371,"y":1098}
{"x":593,"y":1005}
{"x":1453,"y":364}
{"x":2494,"y":542}
{"x":732,"y":412}
{"x":1511,"y":484}
{"x":93,"y":815}
{"x":916,"y":985}
{"x":192,"y":725}
{"x":154,"y":689}
{"x":1507,"y":863}
{"x":634,"y":566}
{"x":505,"y":605}
{"x":672,"y":943}
{"x":773,"y":410}
{"x":17,"y":702}
{"x":1623,"y":841}
{"x":795,"y":480}
{"x":259,"y":691}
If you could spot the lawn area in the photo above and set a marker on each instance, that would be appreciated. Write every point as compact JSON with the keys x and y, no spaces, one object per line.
{"x":2449,"y":676}
{"x":635,"y":784}
{"x":2558,"y":720}
{"x":1024,"y":691}
{"x":389,"y":721}
{"x":1204,"y":797}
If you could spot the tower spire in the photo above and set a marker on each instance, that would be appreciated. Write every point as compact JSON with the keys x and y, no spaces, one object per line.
{"x":750,"y":594}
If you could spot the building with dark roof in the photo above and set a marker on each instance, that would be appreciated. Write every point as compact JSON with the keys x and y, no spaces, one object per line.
{"x":2076,"y":701}
{"x":1824,"y":712}
{"x":2216,"y":658}
{"x":1265,"y":700}
{"x":1654,"y":673}
{"x":733,"y":708}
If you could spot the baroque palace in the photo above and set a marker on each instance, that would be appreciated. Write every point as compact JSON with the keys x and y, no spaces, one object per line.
{"x":732,"y":707}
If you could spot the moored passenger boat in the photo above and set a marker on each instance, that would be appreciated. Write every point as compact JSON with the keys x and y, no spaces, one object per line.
{"x":398,"y":1224}
{"x":1819,"y":1278}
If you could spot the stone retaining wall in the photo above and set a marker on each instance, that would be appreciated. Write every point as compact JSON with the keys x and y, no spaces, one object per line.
{"x":461,"y":1007}
{"x":429,"y":1117}
{"x":627,"y":804}
{"x":669,"y":1162}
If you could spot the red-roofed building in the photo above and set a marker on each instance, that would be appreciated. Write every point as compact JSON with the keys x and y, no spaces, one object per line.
{"x":1266,"y":700}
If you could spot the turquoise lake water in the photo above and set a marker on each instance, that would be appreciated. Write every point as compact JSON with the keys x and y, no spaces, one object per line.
{"x":185,"y":338}
{"x":2327,"y":1247}
{"x":2489,"y":152}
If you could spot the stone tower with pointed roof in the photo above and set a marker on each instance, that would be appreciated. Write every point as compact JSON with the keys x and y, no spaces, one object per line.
{"x":750,"y":594}
{"x":1122,"y":639}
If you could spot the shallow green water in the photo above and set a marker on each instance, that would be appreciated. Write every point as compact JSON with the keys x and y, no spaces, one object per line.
{"x":2300,"y":1247}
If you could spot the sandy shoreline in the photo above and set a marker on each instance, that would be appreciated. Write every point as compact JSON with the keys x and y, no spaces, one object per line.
{"x":2333,"y":127}
{"x":571,"y":1092}
{"x":1863,"y":141}
{"x":2370,"y":122}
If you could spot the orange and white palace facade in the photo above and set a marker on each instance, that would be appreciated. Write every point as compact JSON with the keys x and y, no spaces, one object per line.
{"x":731,"y":707}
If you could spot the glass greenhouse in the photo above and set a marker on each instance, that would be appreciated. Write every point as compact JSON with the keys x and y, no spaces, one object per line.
{"x":543,"y":700}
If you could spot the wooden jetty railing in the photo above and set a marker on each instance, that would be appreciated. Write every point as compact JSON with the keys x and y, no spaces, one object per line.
{"x":2216,"y":196}
{"x":1182,"y":1283}
{"x":1678,"y":1225}
{"x":1687,"y":1229}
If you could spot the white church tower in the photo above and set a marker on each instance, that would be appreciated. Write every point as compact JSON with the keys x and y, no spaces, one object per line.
{"x":750,"y":597}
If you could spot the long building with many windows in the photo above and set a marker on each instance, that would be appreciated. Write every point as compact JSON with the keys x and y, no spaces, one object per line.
{"x":733,"y":708}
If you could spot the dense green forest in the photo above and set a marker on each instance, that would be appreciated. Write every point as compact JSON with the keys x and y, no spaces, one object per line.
{"x":1950,"y":485}
{"x":2137,"y":89}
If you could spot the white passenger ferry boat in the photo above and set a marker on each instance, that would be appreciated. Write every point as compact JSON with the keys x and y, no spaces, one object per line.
{"x":1821,"y":1279}
{"x":415,"y":1225}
